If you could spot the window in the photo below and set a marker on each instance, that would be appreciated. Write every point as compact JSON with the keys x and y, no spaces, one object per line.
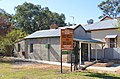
{"x":112,"y":43}
{"x":31,"y":48}
{"x":18,"y":47}
{"x":111,"y":40}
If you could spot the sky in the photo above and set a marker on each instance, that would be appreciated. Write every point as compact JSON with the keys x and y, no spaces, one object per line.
{"x":81,"y":10}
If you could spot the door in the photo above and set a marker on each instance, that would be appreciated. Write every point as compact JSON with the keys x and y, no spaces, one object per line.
{"x":84,"y":52}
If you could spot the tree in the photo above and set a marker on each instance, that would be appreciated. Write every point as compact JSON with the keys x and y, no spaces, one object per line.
{"x":110,"y":8}
{"x":7,"y":43}
{"x":5,"y":23}
{"x":118,"y":25}
{"x":32,"y":17}
{"x":8,"y":35}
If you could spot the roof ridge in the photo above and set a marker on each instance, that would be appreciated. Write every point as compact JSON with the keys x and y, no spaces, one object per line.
{"x":101,"y":25}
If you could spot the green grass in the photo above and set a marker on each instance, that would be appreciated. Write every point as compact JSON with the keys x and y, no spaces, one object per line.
{"x":7,"y":71}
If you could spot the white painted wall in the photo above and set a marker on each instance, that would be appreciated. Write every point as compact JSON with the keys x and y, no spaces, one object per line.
{"x":100,"y":35}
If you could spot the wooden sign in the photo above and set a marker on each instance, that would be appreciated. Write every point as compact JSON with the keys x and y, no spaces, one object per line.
{"x":66,"y":39}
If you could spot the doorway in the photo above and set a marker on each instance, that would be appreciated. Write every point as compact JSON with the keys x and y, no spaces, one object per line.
{"x":84,"y":51}
{"x":76,"y":52}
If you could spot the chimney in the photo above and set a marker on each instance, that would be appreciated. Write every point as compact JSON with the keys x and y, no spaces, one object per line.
{"x":53,"y":26}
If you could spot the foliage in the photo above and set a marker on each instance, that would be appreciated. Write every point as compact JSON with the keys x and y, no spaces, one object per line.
{"x":15,"y":35}
{"x":27,"y":19}
{"x":118,"y":25}
{"x":5,"y":24}
{"x":8,"y":42}
{"x":8,"y":35}
{"x":32,"y":17}
{"x":110,"y":8}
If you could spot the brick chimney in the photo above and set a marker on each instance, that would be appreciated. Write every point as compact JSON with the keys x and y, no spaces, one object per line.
{"x":53,"y":26}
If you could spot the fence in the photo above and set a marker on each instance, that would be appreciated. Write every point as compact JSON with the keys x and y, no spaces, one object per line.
{"x":107,"y":53}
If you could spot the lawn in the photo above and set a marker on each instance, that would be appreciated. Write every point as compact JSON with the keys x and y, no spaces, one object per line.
{"x":45,"y":71}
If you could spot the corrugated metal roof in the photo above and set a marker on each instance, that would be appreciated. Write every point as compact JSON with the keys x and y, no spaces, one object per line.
{"x":88,"y":40}
{"x":49,"y":33}
{"x":101,"y":25}
{"x":71,"y":27}
{"x":45,"y":33}
{"x":110,"y":36}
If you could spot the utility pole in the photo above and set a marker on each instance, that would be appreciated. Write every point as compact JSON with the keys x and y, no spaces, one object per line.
{"x":73,"y":19}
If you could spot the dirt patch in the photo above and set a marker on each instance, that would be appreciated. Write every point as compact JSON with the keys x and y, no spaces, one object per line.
{"x":100,"y":64}
{"x":36,"y":65}
{"x":118,"y":71}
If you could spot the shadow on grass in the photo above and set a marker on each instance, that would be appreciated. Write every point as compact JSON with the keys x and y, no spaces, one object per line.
{"x":15,"y":61}
{"x":102,"y":75}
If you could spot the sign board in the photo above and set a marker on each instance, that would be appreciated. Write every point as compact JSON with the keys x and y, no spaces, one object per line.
{"x":66,"y":39}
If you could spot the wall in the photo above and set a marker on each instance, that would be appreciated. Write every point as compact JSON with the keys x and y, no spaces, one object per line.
{"x":81,"y":33}
{"x":55,"y":50}
{"x":112,"y":53}
{"x":40,"y":52}
{"x":107,"y":53}
{"x":100,"y":35}
{"x":22,"y":49}
{"x":100,"y":54}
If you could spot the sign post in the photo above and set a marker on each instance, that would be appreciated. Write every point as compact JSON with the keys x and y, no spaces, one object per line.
{"x":66,"y":41}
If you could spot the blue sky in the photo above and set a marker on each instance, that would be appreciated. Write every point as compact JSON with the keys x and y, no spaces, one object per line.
{"x":82,"y":10}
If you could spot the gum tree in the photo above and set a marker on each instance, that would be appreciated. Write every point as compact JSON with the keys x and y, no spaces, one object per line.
{"x":110,"y":8}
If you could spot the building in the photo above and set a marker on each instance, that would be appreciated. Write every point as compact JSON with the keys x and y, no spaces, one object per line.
{"x":107,"y":31}
{"x":45,"y":44}
{"x":41,"y":45}
{"x":99,"y":40}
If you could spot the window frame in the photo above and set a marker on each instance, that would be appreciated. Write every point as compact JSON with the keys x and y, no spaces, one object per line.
{"x":19,"y":46}
{"x":31,"y":48}
{"x":112,"y":42}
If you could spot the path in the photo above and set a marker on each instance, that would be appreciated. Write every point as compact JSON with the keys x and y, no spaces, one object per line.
{"x":114,"y":68}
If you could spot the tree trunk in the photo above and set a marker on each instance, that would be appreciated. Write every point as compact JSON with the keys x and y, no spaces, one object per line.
{"x":94,"y":62}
